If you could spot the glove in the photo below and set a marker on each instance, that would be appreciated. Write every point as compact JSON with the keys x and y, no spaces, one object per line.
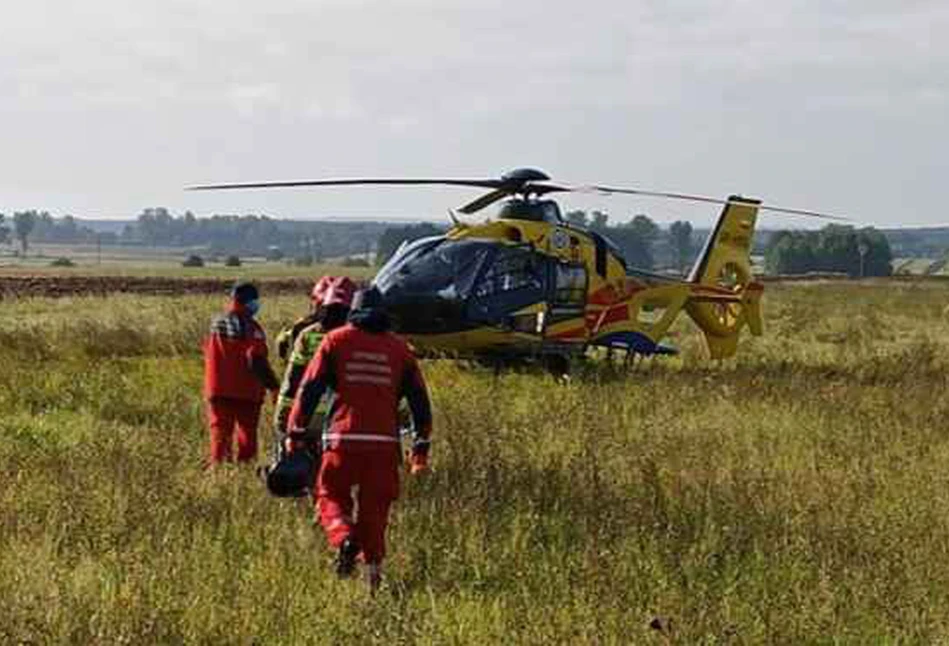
{"x":283,"y":345}
{"x":294,"y":440}
{"x":418,"y":460}
{"x":418,"y":464}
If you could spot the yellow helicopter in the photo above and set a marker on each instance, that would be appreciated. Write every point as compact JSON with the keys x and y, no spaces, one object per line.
{"x":530,"y":284}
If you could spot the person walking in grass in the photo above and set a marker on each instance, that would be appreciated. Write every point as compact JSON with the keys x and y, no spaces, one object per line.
{"x":237,"y":375}
{"x":368,"y":371}
{"x":297,"y":456}
{"x":288,"y":336}
{"x":331,"y":299}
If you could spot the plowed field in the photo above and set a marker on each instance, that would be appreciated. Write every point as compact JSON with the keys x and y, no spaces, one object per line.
{"x":25,"y":286}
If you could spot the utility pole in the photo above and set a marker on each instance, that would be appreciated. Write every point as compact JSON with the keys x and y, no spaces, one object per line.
{"x":862,"y":248}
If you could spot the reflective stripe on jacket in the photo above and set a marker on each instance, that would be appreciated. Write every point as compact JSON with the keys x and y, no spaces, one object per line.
{"x":368,"y":374}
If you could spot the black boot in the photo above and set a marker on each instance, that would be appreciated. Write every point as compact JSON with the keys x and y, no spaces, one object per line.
{"x":346,"y":558}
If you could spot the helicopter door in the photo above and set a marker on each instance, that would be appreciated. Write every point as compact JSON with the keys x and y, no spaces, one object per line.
{"x":514,"y":279}
{"x":568,"y":297}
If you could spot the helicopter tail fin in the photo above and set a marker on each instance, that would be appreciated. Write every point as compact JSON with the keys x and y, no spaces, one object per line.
{"x":724,"y":295}
{"x":729,"y":243}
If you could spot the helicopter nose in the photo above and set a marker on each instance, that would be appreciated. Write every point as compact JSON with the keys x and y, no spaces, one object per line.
{"x":424,"y":313}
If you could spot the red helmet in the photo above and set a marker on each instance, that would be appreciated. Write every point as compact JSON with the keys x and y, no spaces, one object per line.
{"x":319,"y":289}
{"x":339,"y":292}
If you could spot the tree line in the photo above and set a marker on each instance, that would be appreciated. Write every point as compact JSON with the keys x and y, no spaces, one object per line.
{"x":27,"y":224}
{"x":644,"y":244}
{"x":254,"y":234}
{"x":219,"y":234}
{"x":835,"y":248}
{"x":40,"y":226}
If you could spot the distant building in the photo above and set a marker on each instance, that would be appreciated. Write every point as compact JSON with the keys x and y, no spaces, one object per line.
{"x":920,"y":267}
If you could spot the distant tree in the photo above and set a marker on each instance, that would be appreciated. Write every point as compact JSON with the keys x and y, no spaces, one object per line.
{"x":835,"y":248}
{"x":645,"y":228}
{"x":635,"y":240}
{"x":62,"y":261}
{"x":232,"y":261}
{"x":599,"y":221}
{"x":23,"y":223}
{"x":877,"y":258}
{"x":252,"y":235}
{"x":579,"y":218}
{"x":864,"y":252}
{"x":790,"y":252}
{"x":4,"y":230}
{"x":193,"y":261}
{"x":64,"y":230}
{"x":393,"y":237}
{"x":69,"y":227}
{"x":680,"y":239}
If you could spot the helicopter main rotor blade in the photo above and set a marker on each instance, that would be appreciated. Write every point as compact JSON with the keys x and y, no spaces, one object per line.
{"x":543,"y":189}
{"x":475,"y":183}
{"x":607,"y":190}
{"x":485,"y":200}
{"x":521,"y":181}
{"x":531,"y":188}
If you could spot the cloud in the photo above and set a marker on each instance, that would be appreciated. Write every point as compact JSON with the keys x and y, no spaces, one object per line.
{"x":827,"y":104}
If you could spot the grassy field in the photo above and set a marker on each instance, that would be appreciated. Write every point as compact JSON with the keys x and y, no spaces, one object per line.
{"x":162,"y":262}
{"x":798,"y":494}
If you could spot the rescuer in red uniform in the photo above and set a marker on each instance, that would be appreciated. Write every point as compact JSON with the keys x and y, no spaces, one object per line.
{"x":368,"y":370}
{"x":236,"y":376}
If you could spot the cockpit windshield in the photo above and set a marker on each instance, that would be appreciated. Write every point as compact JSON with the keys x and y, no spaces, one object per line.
{"x":447,"y":268}
{"x":404,"y":254}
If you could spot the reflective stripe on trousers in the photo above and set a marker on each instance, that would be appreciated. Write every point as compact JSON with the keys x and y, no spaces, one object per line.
{"x":359,"y":437}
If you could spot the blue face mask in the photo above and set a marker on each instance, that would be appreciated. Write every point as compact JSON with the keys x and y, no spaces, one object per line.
{"x":252,"y":307}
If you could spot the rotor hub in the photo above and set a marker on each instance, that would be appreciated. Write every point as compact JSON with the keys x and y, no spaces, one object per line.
{"x":520,"y":176}
{"x":520,"y":181}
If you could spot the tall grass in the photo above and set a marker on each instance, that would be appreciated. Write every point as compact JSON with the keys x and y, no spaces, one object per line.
{"x":795,"y":494}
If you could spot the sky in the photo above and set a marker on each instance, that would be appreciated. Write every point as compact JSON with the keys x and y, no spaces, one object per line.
{"x":111,"y":106}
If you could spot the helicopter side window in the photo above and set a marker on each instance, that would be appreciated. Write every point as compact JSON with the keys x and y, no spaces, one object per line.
{"x":513,"y":279}
{"x":512,"y":271}
{"x":570,"y":285}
